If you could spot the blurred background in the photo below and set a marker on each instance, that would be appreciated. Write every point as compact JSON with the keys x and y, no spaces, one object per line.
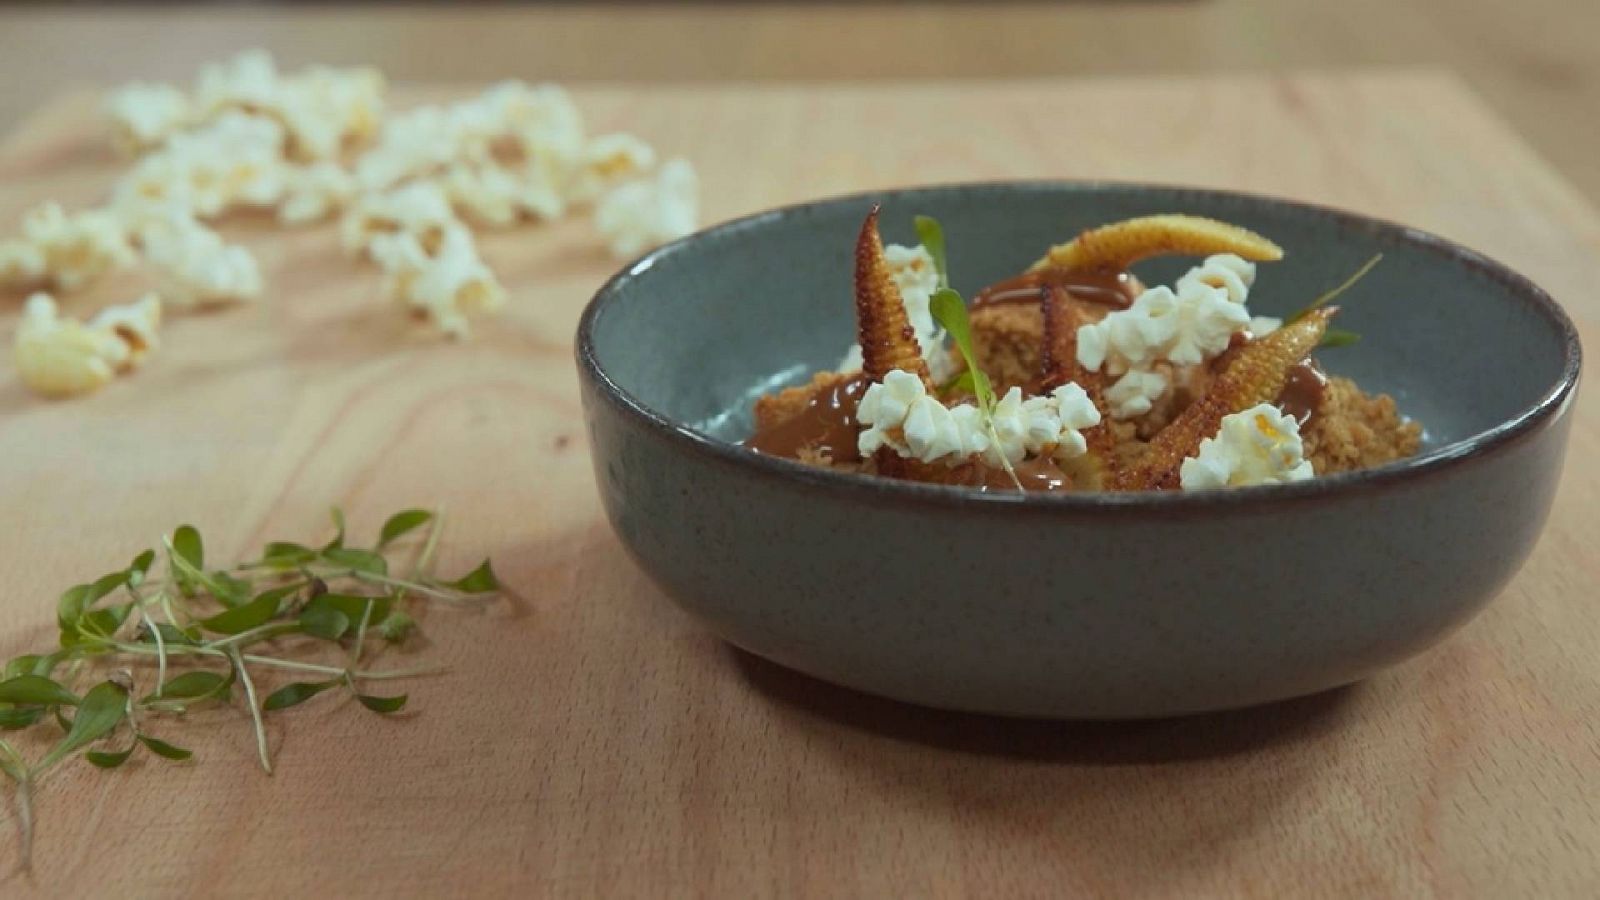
{"x":1535,"y":61}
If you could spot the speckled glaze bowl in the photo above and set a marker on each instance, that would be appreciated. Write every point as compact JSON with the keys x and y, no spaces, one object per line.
{"x":1076,"y":605}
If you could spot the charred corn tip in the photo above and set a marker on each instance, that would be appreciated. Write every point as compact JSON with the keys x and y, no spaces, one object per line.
{"x":887,"y":339}
{"x":1121,"y":244}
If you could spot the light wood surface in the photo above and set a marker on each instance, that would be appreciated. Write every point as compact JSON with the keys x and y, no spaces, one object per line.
{"x":1533,"y":60}
{"x":591,"y":740}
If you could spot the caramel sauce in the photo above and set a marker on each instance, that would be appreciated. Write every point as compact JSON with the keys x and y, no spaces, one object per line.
{"x":1303,"y":392}
{"x":1117,"y":289}
{"x":827,"y":425}
{"x":1041,"y":474}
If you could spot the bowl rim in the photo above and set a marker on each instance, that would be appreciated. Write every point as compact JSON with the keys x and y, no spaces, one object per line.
{"x":889,"y":490}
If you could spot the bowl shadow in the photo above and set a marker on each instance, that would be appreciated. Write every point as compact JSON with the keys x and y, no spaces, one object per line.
{"x":1202,"y":736}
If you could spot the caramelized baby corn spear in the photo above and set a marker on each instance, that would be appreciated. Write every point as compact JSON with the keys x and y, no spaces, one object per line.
{"x":1251,"y":374}
{"x":1119,"y":245}
{"x":1059,"y":365}
{"x":888,"y":341}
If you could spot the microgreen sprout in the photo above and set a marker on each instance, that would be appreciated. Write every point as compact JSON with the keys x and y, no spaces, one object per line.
{"x":191,"y":631}
{"x":950,"y":311}
{"x":1336,"y":337}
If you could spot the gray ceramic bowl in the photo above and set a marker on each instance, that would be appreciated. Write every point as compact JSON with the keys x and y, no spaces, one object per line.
{"x":1091,"y":606}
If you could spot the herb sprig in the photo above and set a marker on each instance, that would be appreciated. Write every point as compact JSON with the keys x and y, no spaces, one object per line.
{"x":1335,"y":337}
{"x":950,"y":311}
{"x":290,"y":599}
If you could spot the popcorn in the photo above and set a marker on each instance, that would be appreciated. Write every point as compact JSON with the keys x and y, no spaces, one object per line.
{"x":1258,"y":446}
{"x":312,"y":193}
{"x":70,"y":251}
{"x":607,"y":161}
{"x":1185,"y":328}
{"x":901,"y":415}
{"x":143,"y":115}
{"x":21,"y":263}
{"x":134,"y":324}
{"x":234,"y":161}
{"x":1135,"y":393}
{"x":198,"y":268}
{"x":444,"y":285}
{"x":647,"y":212}
{"x":249,"y":81}
{"x":1261,"y":326}
{"x":539,"y":120}
{"x":492,"y":196}
{"x":1232,"y":274}
{"x":417,"y":143}
{"x":420,"y":209}
{"x":913,"y":272}
{"x":323,"y":109}
{"x":60,"y":357}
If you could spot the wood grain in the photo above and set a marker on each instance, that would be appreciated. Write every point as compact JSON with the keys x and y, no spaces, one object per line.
{"x":591,"y":740}
{"x":1533,"y":60}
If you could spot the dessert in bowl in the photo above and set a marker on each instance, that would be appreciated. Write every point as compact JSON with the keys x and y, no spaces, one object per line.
{"x":928,"y":577}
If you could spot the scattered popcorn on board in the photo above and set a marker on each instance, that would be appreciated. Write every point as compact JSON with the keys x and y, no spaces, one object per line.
{"x":406,"y":187}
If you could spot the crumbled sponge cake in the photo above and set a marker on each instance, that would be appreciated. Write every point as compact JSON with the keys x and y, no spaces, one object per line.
{"x":1006,"y":339}
{"x":1356,"y":430}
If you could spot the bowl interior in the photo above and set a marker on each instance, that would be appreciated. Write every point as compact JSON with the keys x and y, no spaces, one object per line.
{"x":695,"y":332}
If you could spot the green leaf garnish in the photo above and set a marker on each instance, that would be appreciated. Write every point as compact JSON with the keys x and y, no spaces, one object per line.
{"x":240,"y":619}
{"x":99,"y":712}
{"x":1329,"y":296}
{"x":163,"y":749}
{"x":194,"y":618}
{"x":296,"y":693}
{"x":401,"y":523}
{"x":931,"y":234}
{"x":481,"y":580}
{"x":109,"y":760}
{"x":196,"y":685}
{"x":36,"y":690}
{"x":357,"y":560}
{"x":382,"y":704}
{"x":950,"y":311}
{"x":1335,"y":337}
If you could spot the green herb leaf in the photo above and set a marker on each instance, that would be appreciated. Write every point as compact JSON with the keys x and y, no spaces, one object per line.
{"x":287,"y":555}
{"x":352,"y":606}
{"x":382,"y":704}
{"x":1335,"y":337}
{"x":254,"y":614}
{"x":99,"y":712}
{"x":21,"y":718}
{"x":402,"y":523}
{"x":20,"y":665}
{"x":396,"y":627}
{"x":323,"y":621}
{"x":228,"y":590}
{"x":296,"y":693}
{"x":108,"y":759}
{"x":931,"y":234}
{"x":961,"y":384}
{"x":357,"y":560}
{"x":36,"y":690}
{"x":481,"y":580}
{"x":171,"y":634}
{"x":951,"y":313}
{"x":140,"y":567}
{"x":195,"y":685}
{"x":337,"y":515}
{"x":103,"y":623}
{"x":163,"y":749}
{"x":1329,"y":296}
{"x":190,"y":550}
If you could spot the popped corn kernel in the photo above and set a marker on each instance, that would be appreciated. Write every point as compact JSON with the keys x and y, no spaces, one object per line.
{"x":144,"y":115}
{"x":197,"y":267}
{"x":134,"y":325}
{"x":420,"y":209}
{"x":644,"y":213}
{"x":605,"y":162}
{"x":62,"y":357}
{"x":314,"y":192}
{"x":446,"y":284}
{"x":1260,"y":445}
{"x":72,"y":250}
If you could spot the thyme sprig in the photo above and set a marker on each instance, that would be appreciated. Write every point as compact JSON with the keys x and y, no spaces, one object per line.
{"x":196,"y":625}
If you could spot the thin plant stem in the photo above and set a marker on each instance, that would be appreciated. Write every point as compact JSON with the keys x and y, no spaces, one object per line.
{"x":255,"y":708}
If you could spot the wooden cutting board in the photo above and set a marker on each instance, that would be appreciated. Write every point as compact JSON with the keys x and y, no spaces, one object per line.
{"x":590,"y":739}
